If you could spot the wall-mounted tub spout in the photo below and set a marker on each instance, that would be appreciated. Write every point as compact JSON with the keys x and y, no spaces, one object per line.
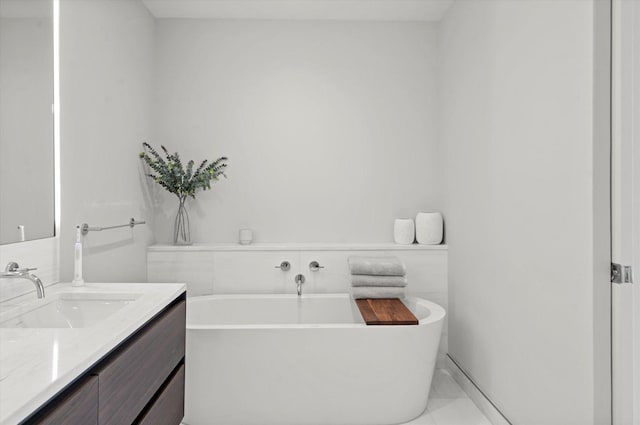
{"x":299,"y":279}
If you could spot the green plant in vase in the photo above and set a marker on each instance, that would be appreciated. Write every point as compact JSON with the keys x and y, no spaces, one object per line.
{"x":182,"y":181}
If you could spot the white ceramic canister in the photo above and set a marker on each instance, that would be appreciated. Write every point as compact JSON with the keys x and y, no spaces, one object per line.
{"x":429,"y":228}
{"x":404,"y":231}
{"x":245,"y":236}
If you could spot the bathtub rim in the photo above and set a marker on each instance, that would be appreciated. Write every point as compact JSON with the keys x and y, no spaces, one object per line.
{"x":437,"y":312}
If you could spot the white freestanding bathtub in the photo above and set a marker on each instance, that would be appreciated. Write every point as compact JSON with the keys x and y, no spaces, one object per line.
{"x":284,"y":359}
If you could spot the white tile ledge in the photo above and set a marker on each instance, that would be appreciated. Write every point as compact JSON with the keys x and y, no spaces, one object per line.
{"x":285,"y":246}
{"x":35,"y":364}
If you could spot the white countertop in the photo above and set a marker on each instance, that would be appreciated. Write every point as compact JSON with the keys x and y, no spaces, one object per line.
{"x":36,"y":363}
{"x":297,"y":246}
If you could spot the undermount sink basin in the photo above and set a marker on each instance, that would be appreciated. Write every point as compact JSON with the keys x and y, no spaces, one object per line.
{"x":66,"y":310}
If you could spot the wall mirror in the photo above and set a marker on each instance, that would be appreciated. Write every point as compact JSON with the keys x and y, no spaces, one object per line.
{"x":27,"y":183}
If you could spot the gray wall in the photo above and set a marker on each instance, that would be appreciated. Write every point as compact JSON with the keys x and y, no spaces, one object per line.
{"x":331,"y":127}
{"x":524,"y":123}
{"x":106,"y":49}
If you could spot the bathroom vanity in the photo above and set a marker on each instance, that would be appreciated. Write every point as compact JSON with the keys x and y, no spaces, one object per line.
{"x":120,"y":362}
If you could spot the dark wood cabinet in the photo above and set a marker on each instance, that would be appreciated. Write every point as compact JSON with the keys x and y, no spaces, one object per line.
{"x":77,"y":405}
{"x":129,"y":379}
{"x":168,"y":407}
{"x":140,"y":381}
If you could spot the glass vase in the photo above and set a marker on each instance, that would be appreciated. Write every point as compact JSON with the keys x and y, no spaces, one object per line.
{"x":181,"y":234}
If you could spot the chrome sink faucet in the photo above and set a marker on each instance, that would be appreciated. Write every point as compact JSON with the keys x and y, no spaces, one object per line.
{"x":13,"y":270}
{"x":299,"y":279}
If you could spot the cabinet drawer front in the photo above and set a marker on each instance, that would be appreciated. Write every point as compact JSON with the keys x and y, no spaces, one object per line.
{"x":138,"y":370}
{"x":77,"y":405}
{"x":168,"y":408}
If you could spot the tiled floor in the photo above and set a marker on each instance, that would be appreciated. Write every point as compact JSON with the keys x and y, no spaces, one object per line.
{"x":449,"y":404}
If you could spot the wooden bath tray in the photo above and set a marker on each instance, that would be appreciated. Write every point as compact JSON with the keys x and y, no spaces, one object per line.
{"x":385,"y":311}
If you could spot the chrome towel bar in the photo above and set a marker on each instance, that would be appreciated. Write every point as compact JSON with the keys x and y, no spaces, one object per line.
{"x":86,"y":229}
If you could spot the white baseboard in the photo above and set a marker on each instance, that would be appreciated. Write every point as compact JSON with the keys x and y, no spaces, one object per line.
{"x":479,"y":399}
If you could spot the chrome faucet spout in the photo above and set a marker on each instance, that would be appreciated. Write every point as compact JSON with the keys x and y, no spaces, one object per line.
{"x":13,"y":271}
{"x":299,"y":279}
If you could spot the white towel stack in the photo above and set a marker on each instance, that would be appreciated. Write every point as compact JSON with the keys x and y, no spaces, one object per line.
{"x":377,"y":277}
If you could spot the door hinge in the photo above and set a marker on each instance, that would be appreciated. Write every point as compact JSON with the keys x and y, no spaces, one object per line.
{"x":621,"y":274}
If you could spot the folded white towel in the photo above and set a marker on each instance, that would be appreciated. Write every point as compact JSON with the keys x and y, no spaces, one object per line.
{"x":376,"y":266}
{"x":377,"y":292}
{"x":369,"y":280}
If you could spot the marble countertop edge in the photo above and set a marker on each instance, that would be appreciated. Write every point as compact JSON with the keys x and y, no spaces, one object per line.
{"x":296,"y":246}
